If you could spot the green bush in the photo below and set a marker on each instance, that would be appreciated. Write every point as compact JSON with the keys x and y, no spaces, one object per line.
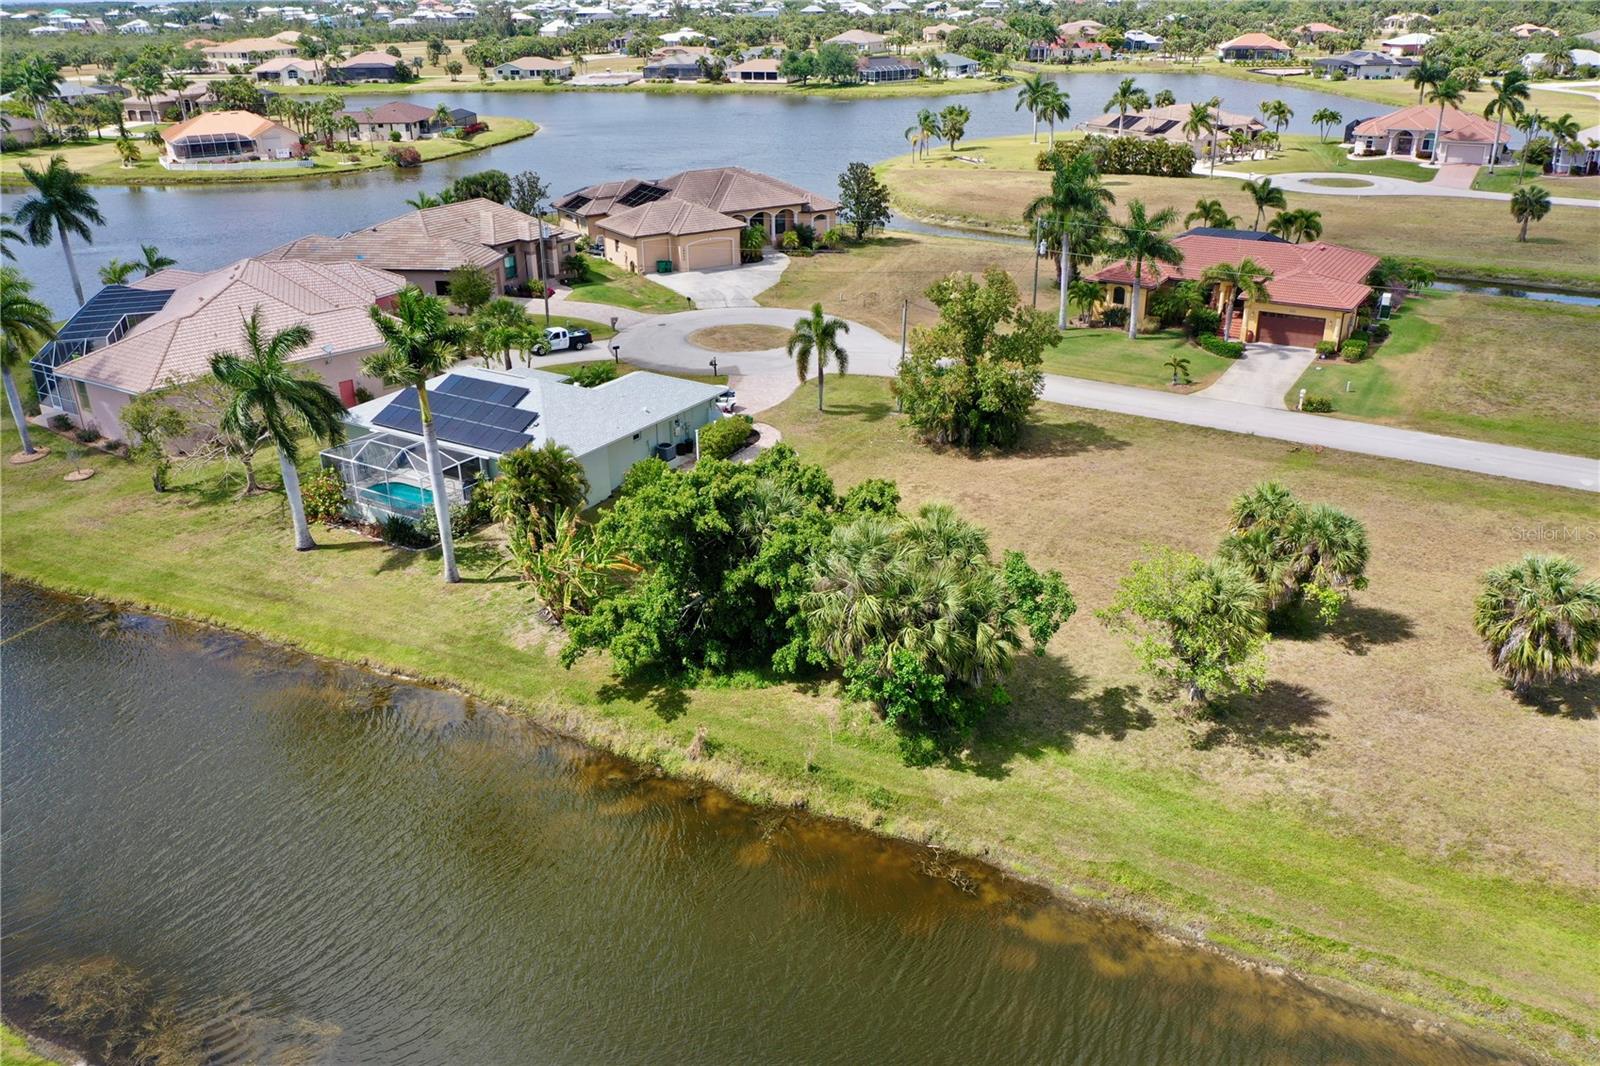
{"x":1327,"y":349}
{"x":461,"y":516}
{"x":323,"y":493}
{"x":1114,"y":317}
{"x":591,"y":374}
{"x":403,"y":533}
{"x":1217,"y":346}
{"x":1125,"y":155}
{"x":1378,"y":331}
{"x":1204,"y":321}
{"x":725,"y":436}
{"x":60,"y":423}
{"x":86,"y":434}
{"x":1355,"y":350}
{"x":1317,"y":405}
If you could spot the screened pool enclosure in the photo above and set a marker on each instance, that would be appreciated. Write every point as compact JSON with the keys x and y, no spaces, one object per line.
{"x":386,"y":474}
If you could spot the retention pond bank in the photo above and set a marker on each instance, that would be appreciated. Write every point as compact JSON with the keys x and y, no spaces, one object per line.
{"x":307,"y":859}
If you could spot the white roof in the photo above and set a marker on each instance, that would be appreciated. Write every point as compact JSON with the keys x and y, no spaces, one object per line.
{"x":1409,"y":38}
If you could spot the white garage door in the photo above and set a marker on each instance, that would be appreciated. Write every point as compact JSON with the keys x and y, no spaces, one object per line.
{"x":707,"y":255}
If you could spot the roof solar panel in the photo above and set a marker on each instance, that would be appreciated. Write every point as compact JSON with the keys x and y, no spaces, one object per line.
{"x":463,"y":419}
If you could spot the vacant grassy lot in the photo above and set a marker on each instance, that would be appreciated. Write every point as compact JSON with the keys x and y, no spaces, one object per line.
{"x":1108,"y":355}
{"x":610,"y":284}
{"x":739,"y":338}
{"x":99,"y":161}
{"x":1488,"y":367}
{"x":1507,"y":179}
{"x":1304,"y":153}
{"x":1480,"y":243}
{"x":1384,"y":813}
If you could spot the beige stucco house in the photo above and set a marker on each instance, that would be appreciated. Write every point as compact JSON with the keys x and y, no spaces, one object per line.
{"x":229,"y":138}
{"x":1408,"y":134}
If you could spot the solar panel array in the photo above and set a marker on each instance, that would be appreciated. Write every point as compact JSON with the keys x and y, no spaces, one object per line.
{"x":96,"y":319}
{"x":641,"y":194}
{"x":473,"y":412}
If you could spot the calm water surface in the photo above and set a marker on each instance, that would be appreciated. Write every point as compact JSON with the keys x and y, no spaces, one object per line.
{"x":320,"y":865}
{"x":587,"y":137}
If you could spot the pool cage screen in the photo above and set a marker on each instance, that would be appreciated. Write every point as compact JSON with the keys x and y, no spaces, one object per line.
{"x":387,"y":474}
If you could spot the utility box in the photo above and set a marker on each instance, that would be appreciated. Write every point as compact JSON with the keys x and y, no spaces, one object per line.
{"x":663,"y":266}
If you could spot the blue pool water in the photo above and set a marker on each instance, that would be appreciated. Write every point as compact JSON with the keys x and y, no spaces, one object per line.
{"x":398,"y":495}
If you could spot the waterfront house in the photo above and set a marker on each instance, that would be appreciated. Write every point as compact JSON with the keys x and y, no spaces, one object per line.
{"x":229,"y":138}
{"x":1364,"y":65}
{"x":679,"y":63}
{"x":1408,"y":134}
{"x":161,"y":106}
{"x":881,"y":68}
{"x":289,"y":70}
{"x":1140,"y":41}
{"x":1407,"y":44}
{"x":757,"y":71}
{"x":957,"y":66}
{"x":1253,"y":48}
{"x":534,"y":67}
{"x":1166,"y":123}
{"x":863,"y":41}
{"x":22,"y":131}
{"x":411,"y":121}
{"x":1315,"y":291}
{"x":368,"y":66}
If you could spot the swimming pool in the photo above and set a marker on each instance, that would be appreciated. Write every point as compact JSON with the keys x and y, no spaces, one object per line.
{"x":398,"y":495}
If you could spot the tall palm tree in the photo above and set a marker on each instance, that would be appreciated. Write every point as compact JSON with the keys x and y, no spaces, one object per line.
{"x":1266,"y":195}
{"x":177,"y":84}
{"x":8,"y":237}
{"x":1539,"y":620}
{"x":25,"y":325}
{"x":1031,"y":94}
{"x":1323,"y":118}
{"x":1128,"y":97}
{"x":419,"y":342}
{"x":1142,"y":239}
{"x":1057,"y":108}
{"x":916,"y":139}
{"x":1297,"y":225}
{"x":1563,"y":132}
{"x":1198,"y":124}
{"x":153,"y":262}
{"x":928,"y":123}
{"x":502,"y":324}
{"x":1509,"y":100}
{"x":266,"y":393}
{"x":1448,"y":93}
{"x":117,"y":272}
{"x":1246,"y":276}
{"x":1238,"y":141}
{"x":1428,"y":73}
{"x":817,"y":337}
{"x":1530,"y":203}
{"x":61,"y":204}
{"x":1211,"y":213}
{"x":1077,"y":200}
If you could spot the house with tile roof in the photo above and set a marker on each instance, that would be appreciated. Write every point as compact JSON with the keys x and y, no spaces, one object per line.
{"x":1408,"y":134}
{"x":289,"y":70}
{"x":1253,"y":47}
{"x":1166,"y":123}
{"x":169,"y":325}
{"x":411,"y":121}
{"x":1407,"y":44}
{"x":1363,"y":64}
{"x":249,"y":51}
{"x":230,"y":139}
{"x":758,"y":70}
{"x":1313,"y":295}
{"x":859,"y":40}
{"x":539,"y":67}
{"x":1309,"y":32}
{"x":368,"y":66}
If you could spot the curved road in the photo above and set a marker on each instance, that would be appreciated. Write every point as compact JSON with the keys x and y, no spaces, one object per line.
{"x":1379,"y":185}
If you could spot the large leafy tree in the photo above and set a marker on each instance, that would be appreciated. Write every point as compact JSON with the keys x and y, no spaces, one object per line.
{"x":1139,"y":241}
{"x":816,"y":339}
{"x":1530,"y":203}
{"x":266,"y":394}
{"x":1298,"y":552}
{"x":971,"y":379}
{"x":533,"y":485}
{"x":863,"y":199}
{"x":1539,"y":620}
{"x":1193,"y":623}
{"x":60,"y":204}
{"x":1075,"y":209}
{"x":419,"y":342}
{"x":1246,"y":276}
{"x":25,"y":325}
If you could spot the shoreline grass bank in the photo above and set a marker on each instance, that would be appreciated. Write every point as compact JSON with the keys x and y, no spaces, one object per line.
{"x":877,"y":91}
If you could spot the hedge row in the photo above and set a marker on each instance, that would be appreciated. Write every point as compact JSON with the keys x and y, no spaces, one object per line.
{"x":1125,"y":155}
{"x":1217,"y":346}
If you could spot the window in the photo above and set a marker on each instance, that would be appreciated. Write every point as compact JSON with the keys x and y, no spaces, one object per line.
{"x":511,"y":266}
{"x":1118,"y":296}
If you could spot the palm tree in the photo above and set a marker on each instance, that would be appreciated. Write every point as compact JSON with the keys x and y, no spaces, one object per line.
{"x":177,"y":84}
{"x":1077,"y":199}
{"x":1278,"y":113}
{"x":1448,"y":93}
{"x":1198,"y":124}
{"x":265,"y":392}
{"x":1140,"y":240}
{"x":1211,"y":213}
{"x":419,"y":342}
{"x":1179,"y":367}
{"x":1084,"y":295}
{"x":1247,"y":276}
{"x":1031,"y":95}
{"x":1529,"y":123}
{"x":502,"y":324}
{"x":1530,"y":203}
{"x":1266,"y":195}
{"x":25,"y":325}
{"x":817,"y":336}
{"x":441,"y":116}
{"x":1510,"y":97}
{"x":117,"y":272}
{"x":424,"y":200}
{"x":1238,"y":141}
{"x":1165,"y":98}
{"x":915,"y":138}
{"x":1297,"y":225}
{"x":534,"y":485}
{"x":1128,"y":97}
{"x":1563,"y":132}
{"x":1539,"y":620}
{"x":61,"y":204}
{"x":8,"y":237}
{"x":1323,"y":118}
{"x":928,"y":123}
{"x":1056,"y":109}
{"x":1428,"y":73}
{"x":154,"y":262}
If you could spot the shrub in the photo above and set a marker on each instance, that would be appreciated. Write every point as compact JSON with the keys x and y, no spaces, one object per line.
{"x":1124,"y":155}
{"x":1204,"y":321}
{"x":725,"y":436}
{"x":1378,"y":331}
{"x":1217,"y":346}
{"x":403,"y":533}
{"x":394,"y":135}
{"x":60,"y":423}
{"x":1317,"y":405}
{"x":363,"y":394}
{"x":427,"y":524}
{"x":1114,"y":317}
{"x":323,"y":493}
{"x":1327,"y":349}
{"x":405,"y":157}
{"x":86,"y":434}
{"x":1355,"y":350}
{"x":833,"y":237}
{"x":790,"y":241}
{"x":591,"y":374}
{"x":807,"y":234}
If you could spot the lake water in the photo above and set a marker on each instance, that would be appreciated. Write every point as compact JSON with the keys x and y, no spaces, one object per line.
{"x":587,"y":137}
{"x":320,"y":865}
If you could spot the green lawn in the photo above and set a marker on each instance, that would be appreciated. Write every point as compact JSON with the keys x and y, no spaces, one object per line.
{"x":14,"y":1050}
{"x":1301,"y":153}
{"x":1108,"y":355}
{"x":1507,"y":179}
{"x":1500,"y":369}
{"x":610,"y":284}
{"x":1384,"y":794}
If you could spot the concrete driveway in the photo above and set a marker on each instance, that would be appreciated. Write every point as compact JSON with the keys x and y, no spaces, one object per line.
{"x":1262,"y":376}
{"x":728,"y":286}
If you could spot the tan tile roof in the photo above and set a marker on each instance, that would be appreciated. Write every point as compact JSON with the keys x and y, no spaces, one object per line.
{"x":1458,"y":125}
{"x":166,"y":280}
{"x":366,"y":59}
{"x":243,"y":123}
{"x":281,"y":63}
{"x":753,"y":65}
{"x":1316,"y":27}
{"x":204,"y":316}
{"x":471,"y":232}
{"x":393,"y":112}
{"x":538,"y":63}
{"x":728,"y":189}
{"x":1318,"y":275}
{"x":675,"y":217}
{"x":1150,"y":122}
{"x":856,"y":37}
{"x":246,"y":45}
{"x":1255,"y":40}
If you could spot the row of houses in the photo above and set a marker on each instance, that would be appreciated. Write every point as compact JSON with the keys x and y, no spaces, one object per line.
{"x":225,"y":139}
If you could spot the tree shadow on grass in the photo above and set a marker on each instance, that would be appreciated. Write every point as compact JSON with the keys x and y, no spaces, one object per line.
{"x":666,"y":696}
{"x":1280,"y":719}
{"x":1361,"y":627}
{"x":1578,"y":699}
{"x":478,"y":560}
{"x":867,"y":412}
{"x":1055,"y":439}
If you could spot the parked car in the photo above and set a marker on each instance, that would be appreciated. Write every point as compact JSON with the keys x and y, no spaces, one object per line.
{"x":560,"y":339}
{"x":726,"y":401}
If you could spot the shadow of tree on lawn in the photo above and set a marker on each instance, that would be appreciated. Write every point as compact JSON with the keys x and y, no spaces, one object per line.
{"x":867,"y":412}
{"x":1361,"y":627}
{"x":1279,"y":719}
{"x":1578,"y":699}
{"x":667,"y":697}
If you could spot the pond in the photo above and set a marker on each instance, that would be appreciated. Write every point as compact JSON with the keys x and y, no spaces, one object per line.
{"x":586,"y":137}
{"x":314,"y":863}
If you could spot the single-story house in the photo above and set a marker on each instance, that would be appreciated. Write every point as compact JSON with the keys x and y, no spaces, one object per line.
{"x":1408,"y":134}
{"x":1407,"y":44}
{"x":677,"y":64}
{"x":1581,"y":57}
{"x":162,"y":330}
{"x":411,"y":121}
{"x":368,"y":66}
{"x":423,"y":247}
{"x":955,"y":65}
{"x":938,"y":32}
{"x":1364,"y":65}
{"x":289,"y":70}
{"x":534,"y":67}
{"x":1166,"y":123}
{"x":744,"y":196}
{"x":227,"y":137}
{"x":874,"y":69}
{"x":1312,"y":30}
{"x":1580,"y":158}
{"x":859,"y":40}
{"x":1140,"y":41}
{"x":20,"y":129}
{"x":153,"y":109}
{"x":1253,"y":47}
{"x":755,"y":71}
{"x":1088,"y":29}
{"x":249,"y":51}
{"x":1313,"y":296}
{"x":481,"y":414}
{"x":1403,"y":21}
{"x":1524,"y":30}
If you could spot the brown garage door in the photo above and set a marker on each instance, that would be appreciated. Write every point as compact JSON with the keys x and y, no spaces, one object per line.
{"x":1300,"y":330}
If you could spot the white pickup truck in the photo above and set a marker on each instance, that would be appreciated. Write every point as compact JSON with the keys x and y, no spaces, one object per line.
{"x":560,"y":339}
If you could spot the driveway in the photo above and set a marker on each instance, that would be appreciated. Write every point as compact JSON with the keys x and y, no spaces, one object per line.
{"x":728,"y":286}
{"x":1262,"y":375}
{"x":1379,"y":185}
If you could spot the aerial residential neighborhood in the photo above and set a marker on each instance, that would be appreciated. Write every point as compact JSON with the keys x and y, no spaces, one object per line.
{"x":843,"y":531}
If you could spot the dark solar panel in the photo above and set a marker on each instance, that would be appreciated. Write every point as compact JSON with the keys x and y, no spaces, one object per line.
{"x":462,"y":419}
{"x":97,"y":318}
{"x":1163,"y":126}
{"x":642,"y":194}
{"x":480,"y":389}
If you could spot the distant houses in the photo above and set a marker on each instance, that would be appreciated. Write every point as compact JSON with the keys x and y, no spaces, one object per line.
{"x":369,"y":66}
{"x":1253,"y":48}
{"x":535,"y":67}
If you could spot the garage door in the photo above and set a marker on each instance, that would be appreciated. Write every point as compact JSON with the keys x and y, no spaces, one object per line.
{"x":707,"y":255}
{"x":1300,"y":330}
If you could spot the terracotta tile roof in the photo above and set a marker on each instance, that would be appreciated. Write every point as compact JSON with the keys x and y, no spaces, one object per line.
{"x":672,"y":216}
{"x":1316,"y":27}
{"x":395,"y":111}
{"x":242,"y":123}
{"x":203,"y":316}
{"x":1420,"y":118}
{"x":1307,"y":275}
{"x":1255,"y":40}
